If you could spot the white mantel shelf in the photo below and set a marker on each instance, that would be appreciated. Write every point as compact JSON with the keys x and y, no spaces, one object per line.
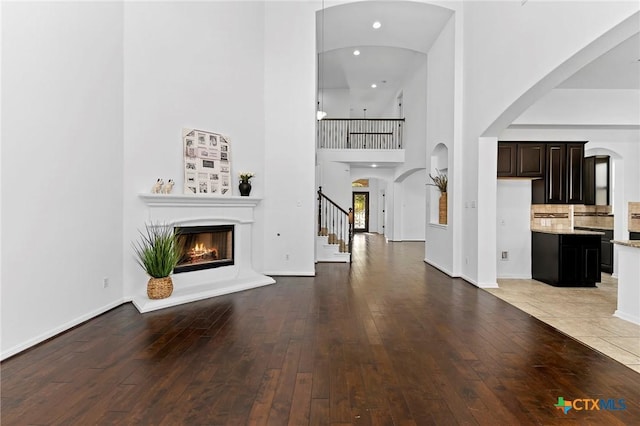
{"x":182,"y":200}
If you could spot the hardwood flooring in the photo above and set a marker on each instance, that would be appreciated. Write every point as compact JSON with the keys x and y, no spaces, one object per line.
{"x":387,"y":341}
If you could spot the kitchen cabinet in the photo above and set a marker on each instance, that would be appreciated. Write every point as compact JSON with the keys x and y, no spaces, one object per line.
{"x":521,"y":159}
{"x":606,"y":248}
{"x":570,"y":259}
{"x":596,"y":180}
{"x":575,"y":161}
{"x":507,"y":159}
{"x":563,"y":178}
{"x":589,"y":181}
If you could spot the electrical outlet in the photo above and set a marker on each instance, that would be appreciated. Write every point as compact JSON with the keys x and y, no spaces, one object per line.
{"x":505,"y":255}
{"x":105,"y":282}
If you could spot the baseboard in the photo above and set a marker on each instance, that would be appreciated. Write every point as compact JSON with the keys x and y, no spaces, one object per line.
{"x":439,"y":268}
{"x":488,"y":285}
{"x":61,"y":329}
{"x":515,"y":277}
{"x":469,"y":280}
{"x":627,"y":317}
{"x":478,"y":284}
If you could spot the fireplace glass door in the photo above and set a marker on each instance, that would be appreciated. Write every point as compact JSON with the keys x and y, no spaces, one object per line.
{"x":204,"y":247}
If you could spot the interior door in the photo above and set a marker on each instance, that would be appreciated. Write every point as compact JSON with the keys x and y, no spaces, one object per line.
{"x":360,"y":203}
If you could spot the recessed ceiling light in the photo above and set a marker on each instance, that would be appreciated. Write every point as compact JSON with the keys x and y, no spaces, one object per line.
{"x":356,"y":52}
{"x":374,"y":165}
{"x":373,"y":86}
{"x":377,"y":25}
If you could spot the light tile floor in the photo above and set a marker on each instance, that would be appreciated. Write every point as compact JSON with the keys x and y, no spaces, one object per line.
{"x":586,"y":314}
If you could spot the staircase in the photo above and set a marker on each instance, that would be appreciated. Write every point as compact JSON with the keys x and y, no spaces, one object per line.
{"x":335,"y":231}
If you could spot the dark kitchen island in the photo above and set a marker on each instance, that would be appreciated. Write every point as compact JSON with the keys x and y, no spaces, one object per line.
{"x":565,"y":258}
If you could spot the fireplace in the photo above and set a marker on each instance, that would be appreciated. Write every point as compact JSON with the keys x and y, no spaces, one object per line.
{"x":204,"y":247}
{"x":191,"y":214}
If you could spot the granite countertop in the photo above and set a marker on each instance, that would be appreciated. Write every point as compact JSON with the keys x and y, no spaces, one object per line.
{"x":604,"y":228}
{"x":628,"y":243}
{"x":566,"y":231}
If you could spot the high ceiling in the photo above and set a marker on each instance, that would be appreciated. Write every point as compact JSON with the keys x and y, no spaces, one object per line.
{"x":388,"y":55}
{"x":408,"y":29}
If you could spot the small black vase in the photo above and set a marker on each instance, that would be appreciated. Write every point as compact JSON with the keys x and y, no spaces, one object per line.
{"x":245,"y":188}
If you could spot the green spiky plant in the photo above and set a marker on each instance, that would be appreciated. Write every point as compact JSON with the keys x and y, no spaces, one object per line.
{"x":440,"y":180}
{"x":157,"y":251}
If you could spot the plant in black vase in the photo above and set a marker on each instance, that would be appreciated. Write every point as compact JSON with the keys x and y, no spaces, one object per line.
{"x":245,"y":183}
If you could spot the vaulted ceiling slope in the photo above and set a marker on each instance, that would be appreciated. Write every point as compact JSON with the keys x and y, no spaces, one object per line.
{"x":619,"y":68}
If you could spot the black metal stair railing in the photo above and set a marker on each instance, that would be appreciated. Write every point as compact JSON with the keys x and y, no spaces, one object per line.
{"x":335,"y":223}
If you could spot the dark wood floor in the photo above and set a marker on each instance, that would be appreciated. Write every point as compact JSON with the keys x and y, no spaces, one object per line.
{"x":389,"y":340}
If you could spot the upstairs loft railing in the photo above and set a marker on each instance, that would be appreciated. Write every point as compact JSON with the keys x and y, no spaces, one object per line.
{"x":360,"y":133}
{"x":335,"y":223}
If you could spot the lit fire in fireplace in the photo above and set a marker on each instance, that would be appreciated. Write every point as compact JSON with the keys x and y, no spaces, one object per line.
{"x":204,"y":247}
{"x":199,"y":252}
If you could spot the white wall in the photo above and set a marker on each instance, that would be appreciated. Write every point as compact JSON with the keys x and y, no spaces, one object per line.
{"x":440,"y":130}
{"x":505,"y":55}
{"x":414,"y":210}
{"x":289,"y":91}
{"x":415,"y":110}
{"x":186,"y":67}
{"x":62,"y":166}
{"x":335,"y":102}
{"x":335,"y":180}
{"x":514,"y":231}
{"x":584,"y":107}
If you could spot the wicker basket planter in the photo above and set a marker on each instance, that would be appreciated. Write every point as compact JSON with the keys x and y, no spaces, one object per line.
{"x":159,"y":288}
{"x":442,"y":209}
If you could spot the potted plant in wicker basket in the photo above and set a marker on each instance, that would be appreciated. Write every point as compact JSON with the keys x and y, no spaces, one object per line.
{"x":157,"y":253}
{"x":440,"y":180}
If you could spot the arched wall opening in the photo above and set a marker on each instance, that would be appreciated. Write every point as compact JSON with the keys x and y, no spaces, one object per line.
{"x":489,"y":254}
{"x":439,"y":170}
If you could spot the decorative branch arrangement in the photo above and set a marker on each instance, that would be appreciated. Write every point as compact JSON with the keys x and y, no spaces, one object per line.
{"x":440,"y":180}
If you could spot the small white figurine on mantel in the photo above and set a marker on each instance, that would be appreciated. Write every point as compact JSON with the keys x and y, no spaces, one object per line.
{"x":168,"y":187}
{"x":157,"y":187}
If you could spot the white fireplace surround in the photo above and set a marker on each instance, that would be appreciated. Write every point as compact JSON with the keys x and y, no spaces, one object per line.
{"x":201,"y":210}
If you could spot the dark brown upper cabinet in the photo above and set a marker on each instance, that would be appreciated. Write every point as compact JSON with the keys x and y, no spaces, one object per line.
{"x":575,"y":170}
{"x":596,"y":180}
{"x":563,"y":178}
{"x":521,"y":159}
{"x":589,"y":180}
{"x":556,"y":179}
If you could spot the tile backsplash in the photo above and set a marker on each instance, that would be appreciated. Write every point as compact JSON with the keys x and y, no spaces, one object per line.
{"x":552,"y":216}
{"x":593,"y":216}
{"x":568,"y":216}
{"x":634,"y":216}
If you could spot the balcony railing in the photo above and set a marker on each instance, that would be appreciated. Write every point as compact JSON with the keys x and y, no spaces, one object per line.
{"x":360,"y":133}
